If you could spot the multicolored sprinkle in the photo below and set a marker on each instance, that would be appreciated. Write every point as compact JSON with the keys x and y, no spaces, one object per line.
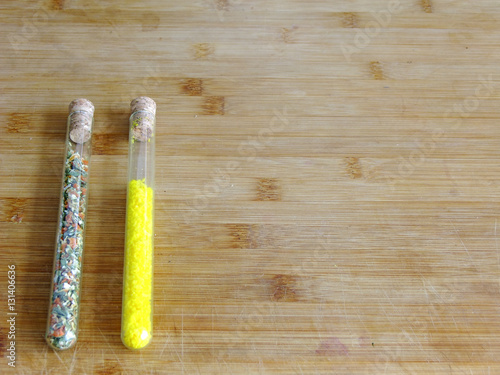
{"x":65,"y":301}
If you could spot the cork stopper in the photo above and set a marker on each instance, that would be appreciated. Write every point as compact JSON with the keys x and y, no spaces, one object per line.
{"x":143,"y":118}
{"x":143,"y":103}
{"x":81,"y":113}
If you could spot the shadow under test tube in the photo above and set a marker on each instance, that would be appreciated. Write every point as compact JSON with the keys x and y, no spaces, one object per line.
{"x":137,"y":305}
{"x":64,"y":309}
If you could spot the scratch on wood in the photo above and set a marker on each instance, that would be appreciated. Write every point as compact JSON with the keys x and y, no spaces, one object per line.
{"x":18,"y":123}
{"x":353,"y":167}
{"x":376,"y":70}
{"x":167,"y":340}
{"x":73,"y":359}
{"x":174,"y":347}
{"x":456,"y":350}
{"x":465,"y":247}
{"x":213,"y":105}
{"x":117,"y":359}
{"x":427,"y":6}
{"x":268,"y":189}
{"x":60,"y":360}
{"x":203,"y":50}
{"x":283,"y":288}
{"x":349,"y":20}
{"x":192,"y":86}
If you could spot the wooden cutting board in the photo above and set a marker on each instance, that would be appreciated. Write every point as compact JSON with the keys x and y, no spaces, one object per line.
{"x":327,"y":197}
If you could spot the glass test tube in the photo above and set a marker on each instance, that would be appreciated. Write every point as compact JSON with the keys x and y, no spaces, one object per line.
{"x":137,"y":305}
{"x":62,"y":322}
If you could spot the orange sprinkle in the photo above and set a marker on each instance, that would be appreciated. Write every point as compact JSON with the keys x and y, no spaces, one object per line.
{"x":59,"y":332}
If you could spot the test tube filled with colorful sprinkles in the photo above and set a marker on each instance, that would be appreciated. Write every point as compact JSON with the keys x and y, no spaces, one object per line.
{"x":137,"y":303}
{"x":64,"y":309}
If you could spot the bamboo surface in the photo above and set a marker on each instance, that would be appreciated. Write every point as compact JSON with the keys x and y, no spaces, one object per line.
{"x":327,"y":182}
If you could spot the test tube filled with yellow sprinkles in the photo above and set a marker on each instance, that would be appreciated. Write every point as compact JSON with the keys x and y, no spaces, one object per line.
{"x":137,"y":303}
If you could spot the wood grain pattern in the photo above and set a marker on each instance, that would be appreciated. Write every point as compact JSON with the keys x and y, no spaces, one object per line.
{"x":327,"y":197}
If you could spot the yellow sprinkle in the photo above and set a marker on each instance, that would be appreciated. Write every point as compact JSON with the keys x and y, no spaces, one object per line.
{"x":138,"y":271}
